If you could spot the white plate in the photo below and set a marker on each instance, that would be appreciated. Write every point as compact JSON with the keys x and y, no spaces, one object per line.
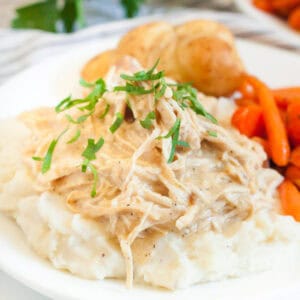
{"x":52,"y":80}
{"x":280,"y":26}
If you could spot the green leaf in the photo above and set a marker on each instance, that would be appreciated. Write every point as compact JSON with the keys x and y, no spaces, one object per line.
{"x":96,"y":179}
{"x":79,"y":120}
{"x":133,"y":89}
{"x":47,"y":160}
{"x":45,"y":15}
{"x":147,"y":122}
{"x":131,"y":7}
{"x":92,"y":148}
{"x":84,"y":83}
{"x":106,"y":110}
{"x":90,"y":100}
{"x":117,"y":123}
{"x":70,"y":12}
{"x":40,"y":15}
{"x":144,"y":75}
{"x":212,"y":133}
{"x":75,"y":137}
{"x":37,"y":158}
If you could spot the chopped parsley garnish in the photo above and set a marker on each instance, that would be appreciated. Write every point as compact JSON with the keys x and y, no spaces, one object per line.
{"x":90,"y":151}
{"x":117,"y":123}
{"x":89,"y":102}
{"x":212,"y":133}
{"x":147,"y":122}
{"x":174,"y":135}
{"x":90,"y":154}
{"x":144,"y":75}
{"x":160,"y":89}
{"x":75,"y":137}
{"x":79,"y":120}
{"x":86,"y":84}
{"x":186,"y":96}
{"x":132,"y":89}
{"x":49,"y":154}
{"x":96,"y":179}
{"x":106,"y":110}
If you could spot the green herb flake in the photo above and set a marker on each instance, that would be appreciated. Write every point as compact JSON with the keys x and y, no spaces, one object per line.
{"x":106,"y":110}
{"x":212,"y":133}
{"x":133,"y":89}
{"x":37,"y":158}
{"x":86,"y":84}
{"x":145,"y":75}
{"x":117,"y":123}
{"x":75,"y":137}
{"x":89,"y":102}
{"x":47,"y":160}
{"x":92,"y":148}
{"x":79,"y":120}
{"x":147,"y":122}
{"x":96,"y":179}
{"x":174,"y":135}
{"x":186,"y":96}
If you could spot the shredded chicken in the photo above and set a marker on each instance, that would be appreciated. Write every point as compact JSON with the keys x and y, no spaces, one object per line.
{"x":210,"y":185}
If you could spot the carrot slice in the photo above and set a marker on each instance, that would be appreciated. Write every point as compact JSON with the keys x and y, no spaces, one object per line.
{"x":244,"y":102}
{"x":293,"y":123}
{"x":293,"y":174}
{"x":275,"y":127}
{"x":264,"y":5}
{"x":294,"y":19}
{"x":286,"y":96}
{"x":247,"y":90}
{"x":249,"y":120}
{"x":290,"y":199}
{"x":295,"y":157}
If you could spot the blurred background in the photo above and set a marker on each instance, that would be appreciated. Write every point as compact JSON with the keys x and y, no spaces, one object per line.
{"x":71,"y":15}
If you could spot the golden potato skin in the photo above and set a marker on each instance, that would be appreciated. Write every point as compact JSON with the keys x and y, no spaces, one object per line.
{"x":200,"y":51}
{"x":99,"y":65}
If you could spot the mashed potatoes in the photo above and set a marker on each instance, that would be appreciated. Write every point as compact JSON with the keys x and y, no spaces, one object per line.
{"x":213,"y":215}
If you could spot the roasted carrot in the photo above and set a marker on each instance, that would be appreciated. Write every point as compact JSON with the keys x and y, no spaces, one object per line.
{"x":290,"y":199}
{"x":295,"y":157}
{"x":264,"y":143}
{"x":293,"y":174}
{"x":284,"y":4}
{"x":247,"y":90}
{"x":293,"y":123}
{"x":249,"y":120}
{"x":244,"y":102}
{"x":286,"y":96}
{"x":294,"y":19}
{"x":275,"y":127}
{"x":264,"y":5}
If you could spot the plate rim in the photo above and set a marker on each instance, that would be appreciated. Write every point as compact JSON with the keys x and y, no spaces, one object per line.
{"x":40,"y":288}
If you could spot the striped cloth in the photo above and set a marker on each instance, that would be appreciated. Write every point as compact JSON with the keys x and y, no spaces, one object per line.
{"x":22,"y":49}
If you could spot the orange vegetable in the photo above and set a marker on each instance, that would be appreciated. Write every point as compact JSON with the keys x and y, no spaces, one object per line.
{"x":275,"y":127}
{"x":264,"y":143}
{"x":286,"y":96}
{"x":264,"y":5}
{"x":290,"y":199}
{"x":293,"y":174}
{"x":247,"y":90}
{"x":293,"y":123}
{"x":244,"y":102}
{"x":294,"y":19}
{"x":249,"y":120}
{"x":284,"y":4}
{"x":295,"y":157}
